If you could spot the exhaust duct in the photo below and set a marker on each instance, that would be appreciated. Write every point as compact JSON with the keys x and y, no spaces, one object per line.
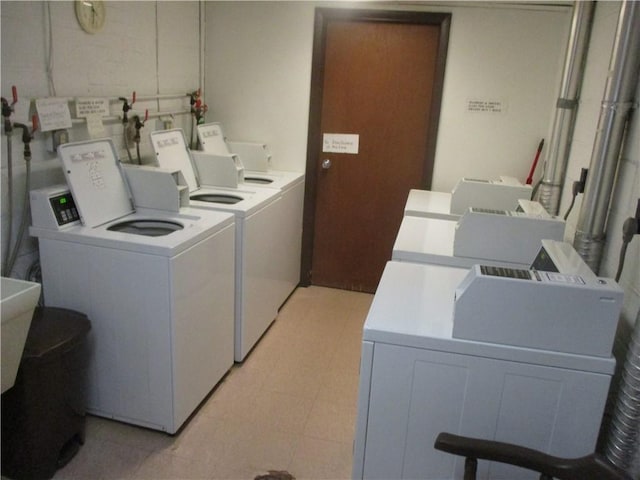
{"x":624,"y":432}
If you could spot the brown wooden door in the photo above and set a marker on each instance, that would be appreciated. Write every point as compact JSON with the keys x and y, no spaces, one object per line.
{"x":380,"y":80}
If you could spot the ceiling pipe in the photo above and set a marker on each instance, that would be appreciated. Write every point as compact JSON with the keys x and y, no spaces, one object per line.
{"x":550,"y":188}
{"x":617,"y":102}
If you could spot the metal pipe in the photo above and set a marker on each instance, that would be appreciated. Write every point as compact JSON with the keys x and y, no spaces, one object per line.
{"x":118,"y":118}
{"x":624,"y":432}
{"x":158,"y":96}
{"x":616,"y":105}
{"x":566,"y":106}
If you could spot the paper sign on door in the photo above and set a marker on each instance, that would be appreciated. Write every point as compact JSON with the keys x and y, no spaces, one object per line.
{"x":340,"y":143}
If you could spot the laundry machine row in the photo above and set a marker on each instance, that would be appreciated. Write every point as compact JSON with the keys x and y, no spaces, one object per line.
{"x":261,"y":256}
{"x":508,"y":338}
{"x":257,"y":172}
{"x":157,"y":285}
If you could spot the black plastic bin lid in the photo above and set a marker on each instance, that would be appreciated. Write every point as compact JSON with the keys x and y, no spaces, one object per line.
{"x":54,"y":331}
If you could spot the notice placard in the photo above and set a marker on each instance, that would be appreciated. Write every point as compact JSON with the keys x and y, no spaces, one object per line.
{"x":92,"y":106}
{"x":53,"y":114}
{"x":95,"y":126}
{"x":475,"y":105}
{"x":340,"y":143}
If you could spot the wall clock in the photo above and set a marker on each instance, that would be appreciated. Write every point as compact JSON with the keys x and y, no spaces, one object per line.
{"x":90,"y":14}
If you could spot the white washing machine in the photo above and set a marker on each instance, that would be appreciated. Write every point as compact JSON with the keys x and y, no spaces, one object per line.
{"x":255,"y":158}
{"x":157,"y":287}
{"x":493,"y":237}
{"x":501,"y":194}
{"x":417,"y":379}
{"x":258,"y":254}
{"x":256,"y":161}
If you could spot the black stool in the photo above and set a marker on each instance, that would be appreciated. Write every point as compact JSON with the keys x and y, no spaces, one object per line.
{"x":43,"y":414}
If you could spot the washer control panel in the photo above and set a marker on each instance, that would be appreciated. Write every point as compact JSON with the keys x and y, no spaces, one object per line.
{"x":53,"y":208}
{"x":64,"y":208}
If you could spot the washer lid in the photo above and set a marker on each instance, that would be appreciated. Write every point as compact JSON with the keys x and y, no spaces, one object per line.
{"x":96,"y":182}
{"x":172,"y":152}
{"x":212,"y":139}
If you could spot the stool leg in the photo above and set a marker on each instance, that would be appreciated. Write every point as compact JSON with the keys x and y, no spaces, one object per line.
{"x":470,"y":468}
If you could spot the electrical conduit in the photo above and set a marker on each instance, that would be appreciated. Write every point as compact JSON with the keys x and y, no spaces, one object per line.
{"x":616,"y":105}
{"x":550,"y":187}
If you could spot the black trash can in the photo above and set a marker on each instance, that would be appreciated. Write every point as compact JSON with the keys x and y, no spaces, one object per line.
{"x":43,"y":414}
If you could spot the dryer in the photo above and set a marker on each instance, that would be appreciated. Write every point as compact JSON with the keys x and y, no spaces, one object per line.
{"x":258,"y":253}
{"x":493,"y":237}
{"x":420,"y":377}
{"x":156,"y":285}
{"x":256,"y":162}
{"x":468,"y":192}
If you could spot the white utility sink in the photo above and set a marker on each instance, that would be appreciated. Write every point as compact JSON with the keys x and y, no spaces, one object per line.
{"x":19,"y":299}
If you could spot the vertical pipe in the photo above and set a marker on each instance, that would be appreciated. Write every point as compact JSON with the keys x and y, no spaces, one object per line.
{"x":624,"y":433}
{"x":616,"y":105}
{"x":566,"y":106}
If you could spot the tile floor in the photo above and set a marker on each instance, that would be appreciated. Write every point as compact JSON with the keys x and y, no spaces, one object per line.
{"x":291,"y":405}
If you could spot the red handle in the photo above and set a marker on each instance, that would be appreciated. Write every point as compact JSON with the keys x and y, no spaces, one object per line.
{"x":146,"y":115}
{"x":14,"y":91}
{"x":134,"y":98}
{"x":535,"y":163}
{"x":34,"y":123}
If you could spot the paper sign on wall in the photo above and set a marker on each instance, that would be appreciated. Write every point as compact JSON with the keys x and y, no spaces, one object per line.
{"x":92,"y":106}
{"x":53,"y":114}
{"x":340,"y":143}
{"x":95,"y":126}
{"x":486,"y":106}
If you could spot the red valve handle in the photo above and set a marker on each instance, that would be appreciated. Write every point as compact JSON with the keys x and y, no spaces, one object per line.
{"x":146,"y":115}
{"x":34,"y":123}
{"x":198,"y":103}
{"x":14,"y":91}
{"x":134,"y":98}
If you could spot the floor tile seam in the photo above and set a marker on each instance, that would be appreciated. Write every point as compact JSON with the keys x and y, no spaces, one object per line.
{"x":303,"y":421}
{"x":135,"y":475}
{"x":127,"y":445}
{"x":252,"y":423}
{"x":295,"y":363}
{"x":307,"y":425}
{"x":340,"y":403}
{"x":210,"y":463}
{"x":348,"y":445}
{"x":328,"y":437}
{"x":79,"y":462}
{"x":311,"y":397}
{"x":288,"y":462}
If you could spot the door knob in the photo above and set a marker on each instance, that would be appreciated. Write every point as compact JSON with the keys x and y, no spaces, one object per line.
{"x":326,"y":163}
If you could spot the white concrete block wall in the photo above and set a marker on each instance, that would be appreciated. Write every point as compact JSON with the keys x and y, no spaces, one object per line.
{"x":510,"y":55}
{"x":258,"y":73}
{"x":145,"y":46}
{"x":259,"y":67}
